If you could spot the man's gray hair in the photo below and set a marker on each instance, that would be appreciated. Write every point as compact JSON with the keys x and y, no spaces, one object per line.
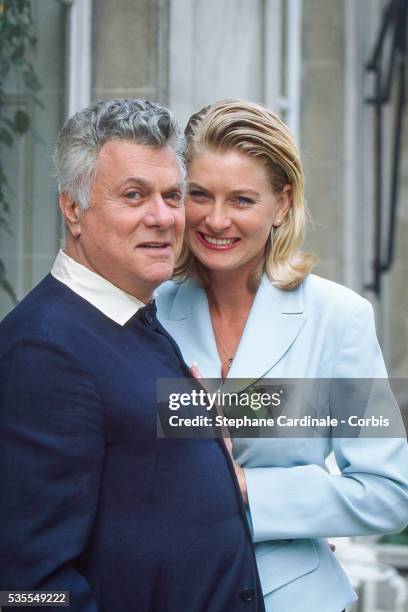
{"x":83,"y":135}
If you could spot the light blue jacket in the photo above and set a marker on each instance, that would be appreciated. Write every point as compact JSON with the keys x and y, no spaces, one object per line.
{"x":319,"y":330}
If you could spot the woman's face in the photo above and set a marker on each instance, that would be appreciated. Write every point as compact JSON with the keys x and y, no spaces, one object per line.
{"x":230,"y":210}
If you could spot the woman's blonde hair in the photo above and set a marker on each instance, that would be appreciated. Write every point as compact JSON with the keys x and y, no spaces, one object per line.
{"x":254,"y":130}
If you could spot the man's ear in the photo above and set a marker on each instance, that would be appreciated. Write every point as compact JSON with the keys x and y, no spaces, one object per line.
{"x":72,"y":214}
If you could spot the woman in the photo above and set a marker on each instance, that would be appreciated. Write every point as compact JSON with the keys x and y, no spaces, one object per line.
{"x":248,"y":307}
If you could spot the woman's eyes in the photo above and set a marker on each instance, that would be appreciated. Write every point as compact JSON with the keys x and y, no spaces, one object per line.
{"x":202,"y":197}
{"x":243,"y":201}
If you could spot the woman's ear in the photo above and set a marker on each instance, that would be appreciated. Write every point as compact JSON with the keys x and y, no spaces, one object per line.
{"x":283,"y":204}
{"x":72,"y":214}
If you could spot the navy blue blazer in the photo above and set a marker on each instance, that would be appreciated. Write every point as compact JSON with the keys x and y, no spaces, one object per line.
{"x":91,"y":501}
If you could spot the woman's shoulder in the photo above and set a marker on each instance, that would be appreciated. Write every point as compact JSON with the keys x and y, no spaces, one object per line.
{"x":166,"y":291}
{"x":174,"y":296}
{"x":328,"y":302}
{"x":321,"y":291}
{"x":164,"y":297}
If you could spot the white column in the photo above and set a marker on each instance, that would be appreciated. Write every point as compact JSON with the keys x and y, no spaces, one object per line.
{"x":273,"y":54}
{"x":79,"y":55}
{"x":294,"y":58}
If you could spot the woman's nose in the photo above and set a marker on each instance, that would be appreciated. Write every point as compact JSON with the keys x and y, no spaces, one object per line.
{"x":218,"y":219}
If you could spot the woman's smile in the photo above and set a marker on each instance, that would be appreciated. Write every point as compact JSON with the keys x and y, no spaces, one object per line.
{"x":216,"y":242}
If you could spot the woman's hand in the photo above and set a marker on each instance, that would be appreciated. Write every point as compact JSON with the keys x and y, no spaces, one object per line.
{"x":240,"y":474}
{"x":242,"y":482}
{"x":227,"y":440}
{"x":195,"y":372}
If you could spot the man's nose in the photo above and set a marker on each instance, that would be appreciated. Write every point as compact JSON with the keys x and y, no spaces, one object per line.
{"x":218,"y":219}
{"x":159,"y":213}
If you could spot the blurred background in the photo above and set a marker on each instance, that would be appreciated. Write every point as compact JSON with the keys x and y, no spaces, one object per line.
{"x":333,"y":69}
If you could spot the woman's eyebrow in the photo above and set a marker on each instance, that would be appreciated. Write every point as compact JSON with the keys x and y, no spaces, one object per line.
{"x":244,"y":190}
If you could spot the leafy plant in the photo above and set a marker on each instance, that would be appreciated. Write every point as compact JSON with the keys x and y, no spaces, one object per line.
{"x":397,"y":538}
{"x":17,"y":41}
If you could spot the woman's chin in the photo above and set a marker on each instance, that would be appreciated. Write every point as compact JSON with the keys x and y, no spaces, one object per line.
{"x":225,"y":262}
{"x":214,"y":265}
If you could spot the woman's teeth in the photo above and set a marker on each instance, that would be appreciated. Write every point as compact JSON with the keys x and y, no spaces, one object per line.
{"x":218,"y":241}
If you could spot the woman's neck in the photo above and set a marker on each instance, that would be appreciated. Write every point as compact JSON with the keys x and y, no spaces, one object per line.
{"x":228,"y":293}
{"x":229,"y":301}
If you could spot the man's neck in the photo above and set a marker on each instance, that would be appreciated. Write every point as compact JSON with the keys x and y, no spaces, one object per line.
{"x":128,"y":287}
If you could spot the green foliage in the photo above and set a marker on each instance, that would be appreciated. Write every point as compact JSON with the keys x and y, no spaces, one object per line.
{"x":397,"y":538}
{"x":17,"y":41}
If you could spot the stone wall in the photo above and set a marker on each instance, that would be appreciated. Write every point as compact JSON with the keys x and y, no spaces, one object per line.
{"x":322,"y":129}
{"x":398,"y":278}
{"x":124,"y":49}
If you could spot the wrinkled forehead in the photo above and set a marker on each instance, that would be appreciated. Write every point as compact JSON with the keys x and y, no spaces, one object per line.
{"x":119,"y":159}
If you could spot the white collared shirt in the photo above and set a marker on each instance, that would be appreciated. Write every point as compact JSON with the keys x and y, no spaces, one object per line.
{"x":95,"y":289}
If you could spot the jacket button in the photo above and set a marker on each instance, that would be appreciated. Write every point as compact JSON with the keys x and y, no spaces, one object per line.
{"x":247,"y":594}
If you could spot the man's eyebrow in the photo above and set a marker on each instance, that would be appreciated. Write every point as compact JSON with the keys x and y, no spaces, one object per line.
{"x":136,"y":179}
{"x":192,"y":184}
{"x":179,"y":186}
{"x":145,"y":184}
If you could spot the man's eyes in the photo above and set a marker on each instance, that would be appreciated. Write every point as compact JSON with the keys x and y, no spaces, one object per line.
{"x":174,"y":198}
{"x":133,"y":195}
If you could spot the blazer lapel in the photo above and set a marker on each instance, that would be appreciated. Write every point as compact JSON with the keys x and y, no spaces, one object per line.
{"x":274,"y":322}
{"x":190,"y":322}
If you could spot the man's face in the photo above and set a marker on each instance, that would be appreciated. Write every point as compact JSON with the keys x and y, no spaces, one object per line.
{"x":132,"y":232}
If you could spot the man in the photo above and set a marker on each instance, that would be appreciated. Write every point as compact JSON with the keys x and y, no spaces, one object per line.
{"x":91,"y":501}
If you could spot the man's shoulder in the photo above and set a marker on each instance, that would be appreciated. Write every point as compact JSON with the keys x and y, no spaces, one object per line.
{"x":51,"y":311}
{"x":35,"y":307}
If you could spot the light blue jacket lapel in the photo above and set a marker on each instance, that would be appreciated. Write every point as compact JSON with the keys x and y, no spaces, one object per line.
{"x":189,"y":322}
{"x":275,"y":320}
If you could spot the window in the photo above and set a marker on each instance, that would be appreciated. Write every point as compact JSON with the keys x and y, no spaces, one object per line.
{"x":61,"y":60}
{"x":234,"y":49}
